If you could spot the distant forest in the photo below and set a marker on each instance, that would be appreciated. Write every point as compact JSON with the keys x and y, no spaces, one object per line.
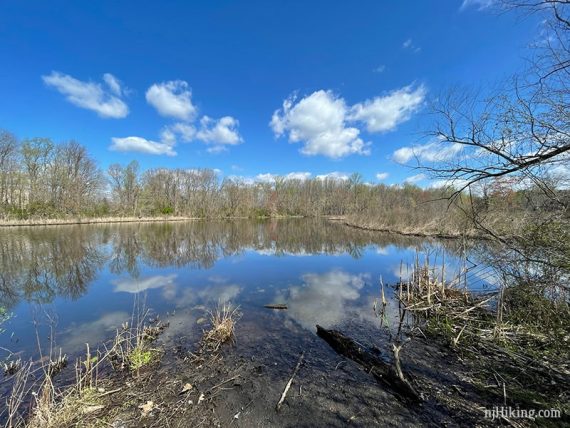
{"x":41,"y":179}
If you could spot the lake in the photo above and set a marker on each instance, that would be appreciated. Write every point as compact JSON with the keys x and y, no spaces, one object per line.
{"x":66,"y":286}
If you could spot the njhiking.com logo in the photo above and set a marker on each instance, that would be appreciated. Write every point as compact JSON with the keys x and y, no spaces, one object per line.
{"x":500,"y":412}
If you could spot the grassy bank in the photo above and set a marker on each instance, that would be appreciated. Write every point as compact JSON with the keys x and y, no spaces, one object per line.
{"x":436,"y":229}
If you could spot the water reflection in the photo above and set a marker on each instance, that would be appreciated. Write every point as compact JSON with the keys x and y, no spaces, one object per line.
{"x":323,"y":298}
{"x":75,"y":336}
{"x":89,"y":276}
{"x":138,"y":284}
{"x":40,"y":264}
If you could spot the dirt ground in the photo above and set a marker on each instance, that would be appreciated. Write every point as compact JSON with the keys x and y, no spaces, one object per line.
{"x":241,"y":385}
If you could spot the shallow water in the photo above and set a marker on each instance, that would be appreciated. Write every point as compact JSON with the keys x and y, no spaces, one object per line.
{"x":70,"y":285}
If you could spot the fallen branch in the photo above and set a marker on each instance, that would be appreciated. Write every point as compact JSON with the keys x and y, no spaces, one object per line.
{"x":282,"y":399}
{"x":382,"y":371}
{"x":276,"y":306}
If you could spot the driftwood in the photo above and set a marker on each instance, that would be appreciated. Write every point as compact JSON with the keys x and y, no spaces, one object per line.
{"x":382,"y":371}
{"x":282,"y":399}
{"x":276,"y":306}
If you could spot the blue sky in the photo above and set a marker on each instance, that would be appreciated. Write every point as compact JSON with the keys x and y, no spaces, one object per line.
{"x":249,"y":88}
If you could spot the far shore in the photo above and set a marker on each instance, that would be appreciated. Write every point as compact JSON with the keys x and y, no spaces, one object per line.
{"x":96,"y":220}
{"x":418,"y":232}
{"x":102,"y":220}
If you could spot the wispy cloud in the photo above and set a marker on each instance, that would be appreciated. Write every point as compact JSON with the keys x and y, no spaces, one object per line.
{"x":478,"y":4}
{"x":429,"y":152}
{"x":105,"y":101}
{"x":270,"y":178}
{"x":382,"y":176}
{"x":385,"y":113}
{"x":415,"y":178}
{"x":141,"y":145}
{"x":336,"y":175}
{"x":409,"y":45}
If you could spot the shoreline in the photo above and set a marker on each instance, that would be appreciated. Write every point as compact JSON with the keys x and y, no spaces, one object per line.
{"x":438,"y":235}
{"x":115,"y":220}
{"x":98,"y":220}
{"x":108,"y":220}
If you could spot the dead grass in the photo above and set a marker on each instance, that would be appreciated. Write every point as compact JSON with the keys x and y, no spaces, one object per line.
{"x":222,"y":320}
{"x":88,"y":220}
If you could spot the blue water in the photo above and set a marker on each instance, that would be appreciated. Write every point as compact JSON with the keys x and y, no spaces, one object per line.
{"x":70,"y":285}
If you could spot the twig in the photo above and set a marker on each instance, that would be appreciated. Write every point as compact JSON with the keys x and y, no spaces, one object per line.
{"x":282,"y":399}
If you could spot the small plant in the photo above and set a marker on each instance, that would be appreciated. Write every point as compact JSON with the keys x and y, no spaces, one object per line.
{"x":222,"y":320}
{"x":131,"y":349}
{"x":140,"y":357}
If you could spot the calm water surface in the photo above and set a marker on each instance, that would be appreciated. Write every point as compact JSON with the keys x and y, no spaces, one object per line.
{"x":77,"y":284}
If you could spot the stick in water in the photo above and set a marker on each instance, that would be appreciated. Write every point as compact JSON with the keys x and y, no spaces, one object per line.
{"x":282,"y":399}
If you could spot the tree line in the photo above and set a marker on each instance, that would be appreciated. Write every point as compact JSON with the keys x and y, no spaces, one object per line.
{"x":42,"y":179}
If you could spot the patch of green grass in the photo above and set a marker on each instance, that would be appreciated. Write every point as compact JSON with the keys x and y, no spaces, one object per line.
{"x":140,"y":357}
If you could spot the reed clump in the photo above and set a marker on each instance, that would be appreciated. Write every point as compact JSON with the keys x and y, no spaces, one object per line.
{"x":518,"y":335}
{"x":222,"y":327}
{"x":131,"y":348}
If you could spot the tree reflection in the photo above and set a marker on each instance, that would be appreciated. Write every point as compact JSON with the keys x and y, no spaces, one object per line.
{"x":39,"y":264}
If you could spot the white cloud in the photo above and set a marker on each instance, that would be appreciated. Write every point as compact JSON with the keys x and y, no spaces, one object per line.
{"x":185,"y":131}
{"x":319,"y":122}
{"x":429,"y":152}
{"x":380,"y":69}
{"x":382,"y":176}
{"x":385,"y":113}
{"x":172,"y":99}
{"x":219,"y":133}
{"x":113,"y":83}
{"x":270,"y":178}
{"x":409,"y":44}
{"x":298,"y":176}
{"x":142,"y":145}
{"x":90,"y":95}
{"x":448,"y":184}
{"x":479,"y":4}
{"x":415,"y":178}
{"x":341,"y":176}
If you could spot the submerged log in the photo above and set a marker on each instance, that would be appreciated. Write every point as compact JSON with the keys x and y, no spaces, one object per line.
{"x":276,"y":306}
{"x":382,"y":371}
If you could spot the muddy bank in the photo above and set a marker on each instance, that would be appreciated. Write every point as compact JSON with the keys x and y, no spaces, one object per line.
{"x":241,"y":383}
{"x":240,"y":389}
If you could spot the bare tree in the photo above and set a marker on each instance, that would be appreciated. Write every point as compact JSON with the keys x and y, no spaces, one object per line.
{"x":513,"y":144}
